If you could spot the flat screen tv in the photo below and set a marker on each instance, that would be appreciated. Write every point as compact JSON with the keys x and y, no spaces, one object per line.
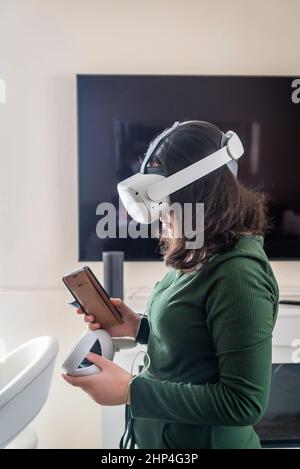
{"x":118,"y":115}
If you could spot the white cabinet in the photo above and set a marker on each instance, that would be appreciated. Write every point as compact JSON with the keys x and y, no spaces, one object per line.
{"x":286,"y":335}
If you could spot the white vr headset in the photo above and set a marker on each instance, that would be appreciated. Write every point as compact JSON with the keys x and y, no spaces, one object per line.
{"x":145,"y":195}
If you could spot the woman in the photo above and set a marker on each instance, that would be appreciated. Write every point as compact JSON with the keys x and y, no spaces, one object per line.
{"x":210,"y":319}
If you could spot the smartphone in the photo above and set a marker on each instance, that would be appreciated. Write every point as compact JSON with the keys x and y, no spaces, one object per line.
{"x":92,"y":298}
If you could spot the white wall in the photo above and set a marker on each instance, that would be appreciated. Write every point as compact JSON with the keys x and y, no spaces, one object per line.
{"x":43,"y":44}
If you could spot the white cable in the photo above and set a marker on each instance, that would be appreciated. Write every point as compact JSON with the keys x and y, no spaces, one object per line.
{"x":138,"y":353}
{"x":133,"y":362}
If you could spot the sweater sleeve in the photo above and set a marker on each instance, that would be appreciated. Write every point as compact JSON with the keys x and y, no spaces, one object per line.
{"x":241,"y":306}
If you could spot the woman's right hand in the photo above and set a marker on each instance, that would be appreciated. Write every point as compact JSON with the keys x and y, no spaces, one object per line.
{"x":128,"y":328}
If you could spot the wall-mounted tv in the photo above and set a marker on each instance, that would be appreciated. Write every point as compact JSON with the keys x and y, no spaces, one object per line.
{"x":118,"y":115}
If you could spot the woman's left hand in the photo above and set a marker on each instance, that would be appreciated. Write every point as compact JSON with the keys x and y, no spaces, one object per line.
{"x":109,"y":387}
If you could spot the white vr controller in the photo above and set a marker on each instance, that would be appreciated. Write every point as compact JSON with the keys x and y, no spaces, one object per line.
{"x":99,"y":342}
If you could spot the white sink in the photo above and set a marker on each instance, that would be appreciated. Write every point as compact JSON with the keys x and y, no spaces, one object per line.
{"x":27,"y":439}
{"x":25,"y":377}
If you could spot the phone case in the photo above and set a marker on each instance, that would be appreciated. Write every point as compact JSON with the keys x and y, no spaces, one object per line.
{"x":92,"y":297}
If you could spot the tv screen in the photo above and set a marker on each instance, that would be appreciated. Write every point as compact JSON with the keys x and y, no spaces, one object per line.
{"x":118,"y":115}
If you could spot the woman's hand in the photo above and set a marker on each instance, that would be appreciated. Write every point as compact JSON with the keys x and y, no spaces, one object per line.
{"x":128,"y":328}
{"x":109,"y":387}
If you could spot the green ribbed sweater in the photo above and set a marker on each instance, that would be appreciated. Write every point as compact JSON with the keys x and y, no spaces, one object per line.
{"x":209,"y":336}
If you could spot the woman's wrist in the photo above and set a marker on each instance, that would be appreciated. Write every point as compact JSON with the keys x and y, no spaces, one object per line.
{"x":127,"y":401}
{"x":127,"y":394}
{"x":136,"y":325}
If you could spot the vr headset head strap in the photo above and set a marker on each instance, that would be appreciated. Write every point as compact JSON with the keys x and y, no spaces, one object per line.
{"x":230,"y":150}
{"x":156,"y":142}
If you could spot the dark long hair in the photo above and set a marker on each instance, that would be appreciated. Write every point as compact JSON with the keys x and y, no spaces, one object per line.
{"x":230,"y":209}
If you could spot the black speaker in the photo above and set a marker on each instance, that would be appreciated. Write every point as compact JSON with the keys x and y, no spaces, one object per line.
{"x":113,"y":262}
